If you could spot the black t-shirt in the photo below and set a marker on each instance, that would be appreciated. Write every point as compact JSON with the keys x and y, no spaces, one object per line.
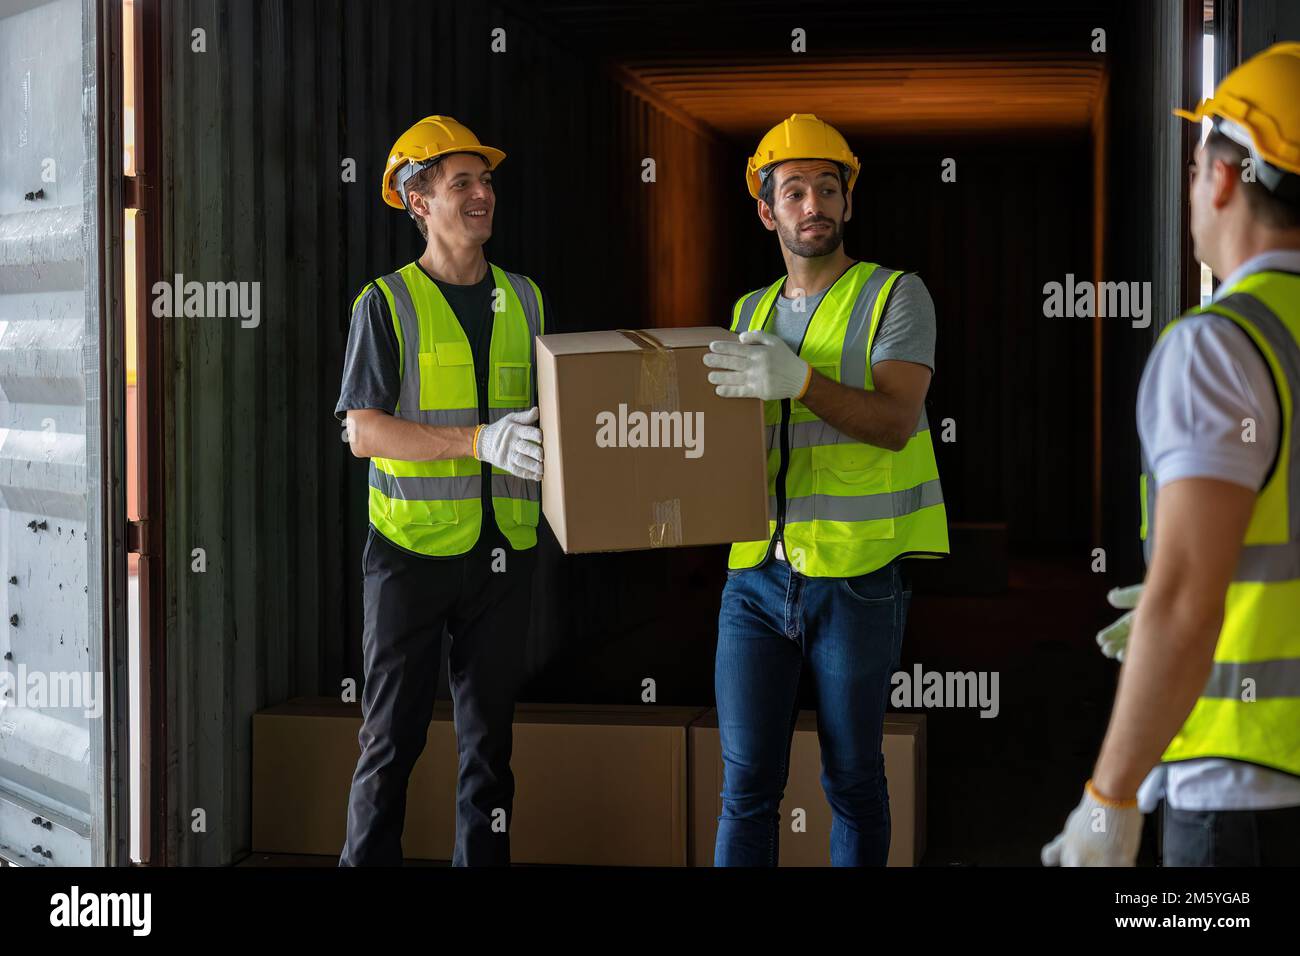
{"x":372,"y":374}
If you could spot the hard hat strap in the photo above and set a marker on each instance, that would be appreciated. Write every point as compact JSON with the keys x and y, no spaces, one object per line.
{"x":408,"y":172}
{"x":1281,"y":183}
{"x":766,"y":171}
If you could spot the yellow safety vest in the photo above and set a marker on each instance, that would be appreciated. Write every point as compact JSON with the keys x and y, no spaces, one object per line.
{"x":842,"y":507}
{"x":435,"y":507}
{"x":1250,"y":707}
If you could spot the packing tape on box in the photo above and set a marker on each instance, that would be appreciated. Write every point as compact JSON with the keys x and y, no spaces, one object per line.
{"x":657,"y":390}
{"x":657,"y":384}
{"x":666,"y":523}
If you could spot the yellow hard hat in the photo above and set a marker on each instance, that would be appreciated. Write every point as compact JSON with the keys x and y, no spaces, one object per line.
{"x":1258,"y":106}
{"x":433,"y":136}
{"x":802,"y":136}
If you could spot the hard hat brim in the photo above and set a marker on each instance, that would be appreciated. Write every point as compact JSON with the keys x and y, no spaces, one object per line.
{"x":491,"y":155}
{"x":754,"y":175}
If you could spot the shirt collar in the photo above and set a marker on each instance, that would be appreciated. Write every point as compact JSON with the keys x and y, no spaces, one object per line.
{"x":1280,"y":260}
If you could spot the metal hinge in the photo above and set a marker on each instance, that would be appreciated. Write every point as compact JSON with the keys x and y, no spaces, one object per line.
{"x":138,"y":540}
{"x":135,"y":190}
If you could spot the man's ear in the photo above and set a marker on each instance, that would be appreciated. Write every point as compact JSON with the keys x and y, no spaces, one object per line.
{"x":765,"y":215}
{"x":417,"y":203}
{"x":1223,"y":182}
{"x":848,"y":205}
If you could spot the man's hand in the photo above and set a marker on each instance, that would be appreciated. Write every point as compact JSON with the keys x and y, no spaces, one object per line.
{"x":760,"y":365}
{"x":512,"y":443}
{"x":1114,"y":638}
{"x":1099,"y":832}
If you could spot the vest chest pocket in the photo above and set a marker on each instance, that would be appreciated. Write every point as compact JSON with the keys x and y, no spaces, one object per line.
{"x":513,"y":383}
{"x":447,"y":377}
{"x":853,"y":492}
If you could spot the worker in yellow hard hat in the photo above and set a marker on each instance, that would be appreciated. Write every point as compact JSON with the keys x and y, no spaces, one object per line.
{"x":439,"y":393}
{"x":841,"y":352}
{"x":1207,"y":716}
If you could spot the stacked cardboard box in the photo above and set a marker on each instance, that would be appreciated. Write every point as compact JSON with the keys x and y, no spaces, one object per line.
{"x":616,"y":785}
{"x":593,"y":785}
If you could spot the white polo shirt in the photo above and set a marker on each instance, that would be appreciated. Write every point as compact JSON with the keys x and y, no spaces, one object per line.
{"x":1202,"y":379}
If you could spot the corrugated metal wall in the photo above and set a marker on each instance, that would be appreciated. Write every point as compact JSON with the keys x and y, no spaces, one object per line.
{"x":258,"y":130}
{"x":1144,"y":240}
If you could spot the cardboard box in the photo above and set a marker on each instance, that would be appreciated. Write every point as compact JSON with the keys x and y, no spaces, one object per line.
{"x":904,"y":750}
{"x":593,"y":785}
{"x":640,"y":452}
{"x":304,"y":754}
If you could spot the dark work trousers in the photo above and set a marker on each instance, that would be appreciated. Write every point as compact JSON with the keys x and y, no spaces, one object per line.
{"x":1231,"y":837}
{"x":408,"y":600}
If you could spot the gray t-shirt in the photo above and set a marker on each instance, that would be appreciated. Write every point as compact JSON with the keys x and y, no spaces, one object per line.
{"x":907,"y":329}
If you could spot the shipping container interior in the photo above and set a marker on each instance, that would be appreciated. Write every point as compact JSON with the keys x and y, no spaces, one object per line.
{"x":1002,"y":149}
{"x":1051,"y":171}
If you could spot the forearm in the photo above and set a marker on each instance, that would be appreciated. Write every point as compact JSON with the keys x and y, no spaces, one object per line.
{"x":1170,"y":654}
{"x":380,"y":435}
{"x":873,"y":417}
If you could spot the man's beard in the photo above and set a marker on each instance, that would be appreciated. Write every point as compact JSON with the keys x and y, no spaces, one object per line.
{"x":814,"y":246}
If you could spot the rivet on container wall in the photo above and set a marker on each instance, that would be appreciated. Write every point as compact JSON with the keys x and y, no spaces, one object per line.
{"x":13,"y":579}
{"x":13,"y":620}
{"x":35,"y":525}
{"x":34,"y":195}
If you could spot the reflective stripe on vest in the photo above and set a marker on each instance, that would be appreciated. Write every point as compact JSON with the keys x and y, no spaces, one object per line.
{"x":435,"y":507}
{"x":850,"y":507}
{"x":1249,"y":709}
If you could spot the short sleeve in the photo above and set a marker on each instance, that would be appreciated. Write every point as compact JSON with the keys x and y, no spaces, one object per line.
{"x":907,"y":329}
{"x":372,"y":374}
{"x":1205,"y":385}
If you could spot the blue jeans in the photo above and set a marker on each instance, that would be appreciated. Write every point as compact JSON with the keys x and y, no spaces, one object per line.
{"x":848,"y":632}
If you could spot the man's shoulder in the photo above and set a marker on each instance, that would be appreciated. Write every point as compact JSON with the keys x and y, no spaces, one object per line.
{"x":1211,"y":342}
{"x":904,"y":281}
{"x":755,"y":294}
{"x":525,"y":286}
{"x":520,"y":277}
{"x":908,"y":299}
{"x":368,"y":297}
{"x":1205,"y":329}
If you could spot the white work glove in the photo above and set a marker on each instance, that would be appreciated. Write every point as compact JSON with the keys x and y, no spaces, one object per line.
{"x":512,"y":443}
{"x":1114,"y":639}
{"x":1097,"y":833}
{"x":760,"y":365}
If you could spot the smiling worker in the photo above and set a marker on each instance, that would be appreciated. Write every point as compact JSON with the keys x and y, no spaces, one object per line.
{"x":438,"y":392}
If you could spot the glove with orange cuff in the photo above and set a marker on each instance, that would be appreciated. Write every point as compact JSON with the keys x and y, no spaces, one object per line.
{"x":1099,"y":832}
{"x":512,"y":443}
